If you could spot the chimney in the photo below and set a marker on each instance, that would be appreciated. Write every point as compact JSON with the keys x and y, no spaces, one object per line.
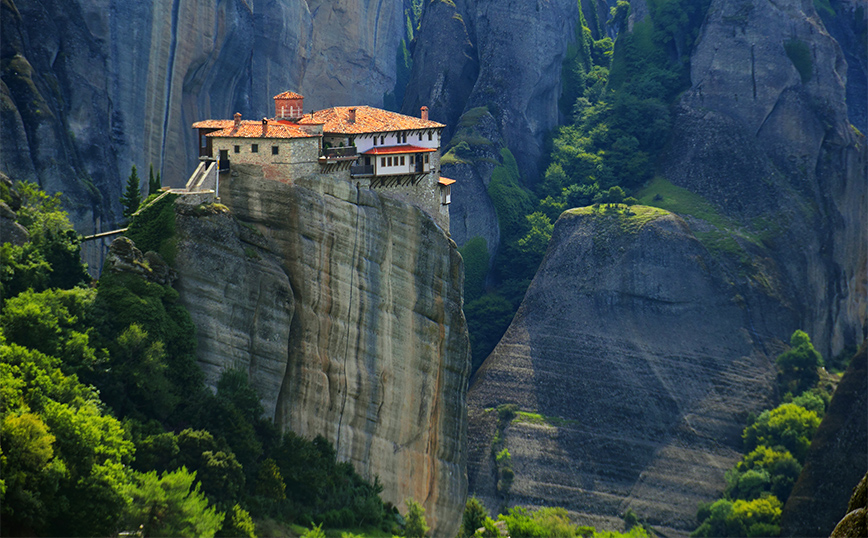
{"x":352,"y":115}
{"x":264,"y":127}
{"x":425,"y":113}
{"x":237,"y":120}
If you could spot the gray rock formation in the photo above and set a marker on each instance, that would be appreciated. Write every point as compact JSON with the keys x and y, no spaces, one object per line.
{"x":636,"y":350}
{"x":646,"y":396}
{"x":238,"y":296}
{"x":838,"y":457}
{"x":505,"y":55}
{"x":91,"y":87}
{"x":376,"y":357}
{"x":764,"y":135}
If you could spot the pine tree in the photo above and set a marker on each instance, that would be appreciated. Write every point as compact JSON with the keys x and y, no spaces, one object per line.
{"x":132,"y":197}
{"x":154,"y":183}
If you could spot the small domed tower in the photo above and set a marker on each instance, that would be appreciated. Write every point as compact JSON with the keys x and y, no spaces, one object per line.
{"x":288,"y":106}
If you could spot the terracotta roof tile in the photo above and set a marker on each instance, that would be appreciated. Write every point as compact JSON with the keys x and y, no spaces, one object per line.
{"x":288,"y":95}
{"x":368,"y":120}
{"x":446,"y":181}
{"x":253,"y":129}
{"x":212,"y":124}
{"x":391,"y":150}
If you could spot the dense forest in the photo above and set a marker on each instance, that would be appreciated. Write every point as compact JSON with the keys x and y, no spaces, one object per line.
{"x":106,"y":423}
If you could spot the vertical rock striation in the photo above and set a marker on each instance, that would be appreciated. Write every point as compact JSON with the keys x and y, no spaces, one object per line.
{"x":376,"y":357}
{"x":90,"y":87}
{"x":632,"y":346}
{"x":238,"y":296}
{"x":764,"y":134}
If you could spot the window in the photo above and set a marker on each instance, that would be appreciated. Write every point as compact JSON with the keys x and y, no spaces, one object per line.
{"x":426,"y":159}
{"x":237,"y":149}
{"x":404,"y":139}
{"x":382,"y":161}
{"x":204,"y":141}
{"x":275,"y":150}
{"x":411,"y":159}
{"x":402,"y":160}
{"x":382,"y":140}
{"x":375,"y":140}
{"x":429,"y":138}
{"x":390,"y":161}
{"x":254,"y":148}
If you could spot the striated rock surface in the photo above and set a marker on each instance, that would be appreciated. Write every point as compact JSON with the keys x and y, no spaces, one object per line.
{"x":91,"y":87}
{"x":764,"y":135}
{"x":505,"y":55}
{"x":643,"y":363}
{"x":239,"y":298}
{"x":838,"y":457}
{"x":376,"y":357}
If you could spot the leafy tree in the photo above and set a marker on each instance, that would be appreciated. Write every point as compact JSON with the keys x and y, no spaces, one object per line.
{"x":237,"y":523}
{"x":78,"y":483}
{"x":798,"y":366}
{"x":788,"y":425}
{"x":170,"y":505}
{"x":759,"y":517}
{"x":52,"y":258}
{"x":132,"y":196}
{"x":535,"y":243}
{"x":416,"y":526}
{"x":473,"y":518}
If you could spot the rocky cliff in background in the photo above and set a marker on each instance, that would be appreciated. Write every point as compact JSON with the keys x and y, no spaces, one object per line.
{"x":837,"y":459}
{"x":638,"y":361}
{"x":632,"y":399}
{"x":91,"y":87}
{"x":376,"y":355}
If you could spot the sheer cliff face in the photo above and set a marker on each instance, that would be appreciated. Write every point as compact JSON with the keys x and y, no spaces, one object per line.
{"x":376,"y":356}
{"x":506,"y":54}
{"x":92,"y":87}
{"x":764,"y":134}
{"x":647,"y":350}
{"x":634,"y":348}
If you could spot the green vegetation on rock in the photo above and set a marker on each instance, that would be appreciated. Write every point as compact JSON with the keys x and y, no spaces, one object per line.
{"x":107,"y":426}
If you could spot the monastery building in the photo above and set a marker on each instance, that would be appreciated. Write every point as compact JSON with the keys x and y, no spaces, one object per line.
{"x":376,"y":148}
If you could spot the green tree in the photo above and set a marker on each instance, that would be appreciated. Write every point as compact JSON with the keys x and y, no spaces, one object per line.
{"x":416,"y":526}
{"x":788,"y":425}
{"x":237,"y":523}
{"x":170,"y":505}
{"x":154,"y":182}
{"x":798,"y":365}
{"x":80,"y":488}
{"x":132,"y":196}
{"x":473,"y":518}
{"x":52,"y":258}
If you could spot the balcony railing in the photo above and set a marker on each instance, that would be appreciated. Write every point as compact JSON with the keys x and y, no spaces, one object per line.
{"x":340,"y":153}
{"x":362,"y":170}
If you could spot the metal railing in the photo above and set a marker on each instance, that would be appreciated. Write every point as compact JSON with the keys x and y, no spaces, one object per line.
{"x":337,"y":153}
{"x":362,"y":170}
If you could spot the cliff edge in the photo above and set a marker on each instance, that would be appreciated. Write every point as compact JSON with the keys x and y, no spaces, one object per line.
{"x":355,"y":331}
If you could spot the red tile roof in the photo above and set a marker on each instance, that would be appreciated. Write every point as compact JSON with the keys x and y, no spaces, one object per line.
{"x":391,"y":150}
{"x":368,"y":120}
{"x":288,"y":95}
{"x":253,"y":129}
{"x":212,"y":124}
{"x":446,"y":181}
